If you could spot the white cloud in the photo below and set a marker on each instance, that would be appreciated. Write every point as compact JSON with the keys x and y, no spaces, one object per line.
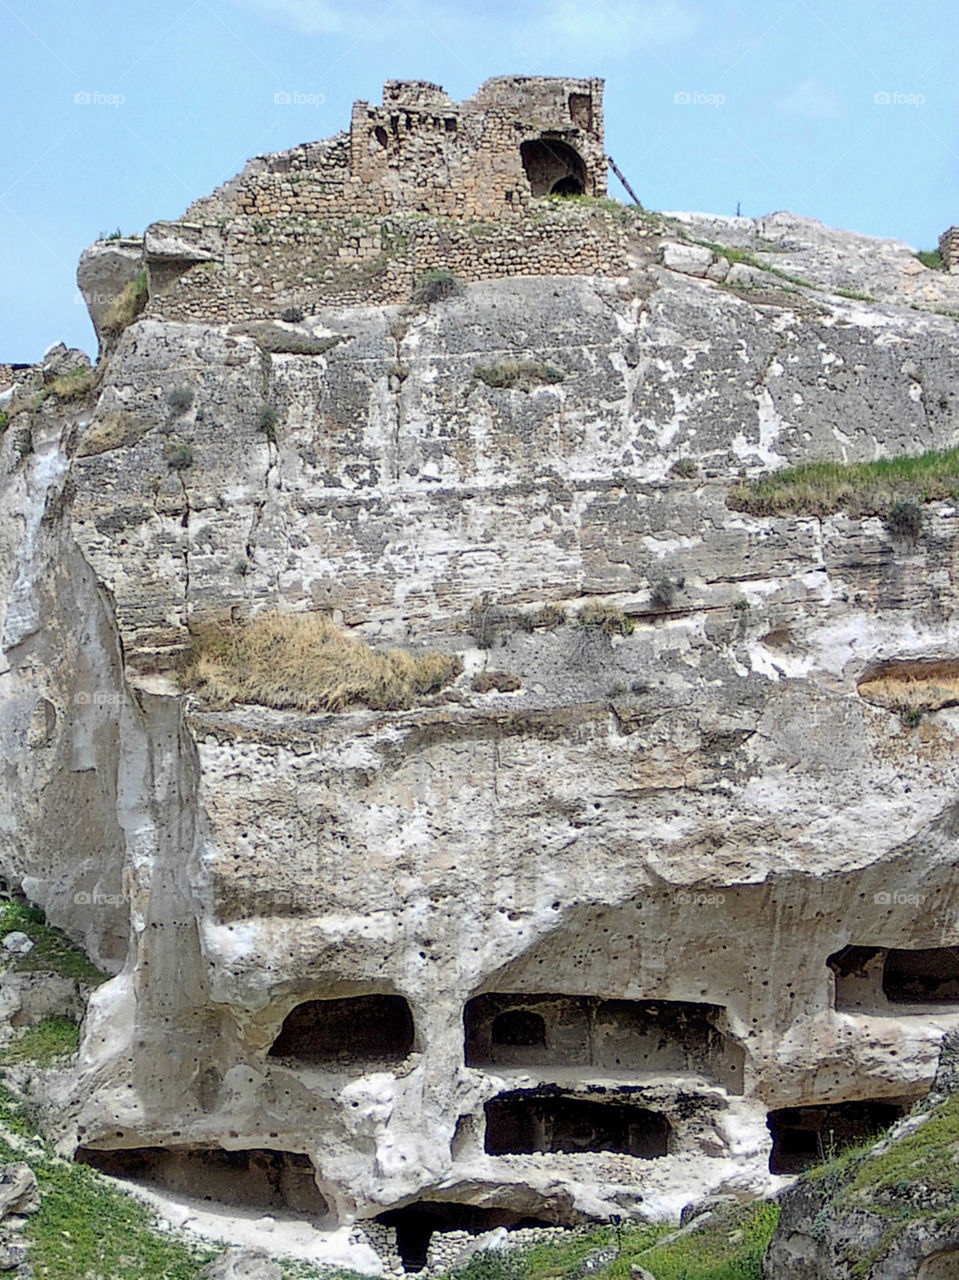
{"x":811,"y":100}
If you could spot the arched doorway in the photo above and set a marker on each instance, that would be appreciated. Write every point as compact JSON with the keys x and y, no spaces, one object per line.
{"x":553,"y":168}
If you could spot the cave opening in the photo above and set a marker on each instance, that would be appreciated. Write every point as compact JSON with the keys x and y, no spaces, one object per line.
{"x":621,"y":1037}
{"x":553,"y":167}
{"x":928,"y":976}
{"x":373,"y":1028}
{"x":805,"y":1136}
{"x":416,"y":1224}
{"x":528,"y":1123}
{"x":257,"y":1178}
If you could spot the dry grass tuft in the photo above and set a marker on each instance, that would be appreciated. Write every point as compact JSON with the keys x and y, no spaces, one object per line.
{"x":127,"y":305}
{"x":304,"y":662}
{"x":918,"y":686}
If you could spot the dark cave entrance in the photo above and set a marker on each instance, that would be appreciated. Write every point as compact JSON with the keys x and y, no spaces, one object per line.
{"x":805,"y":1136}
{"x":339,"y":1032}
{"x":929,"y":976}
{"x":416,"y":1224}
{"x":258,"y":1178}
{"x":624,"y":1037}
{"x":553,"y":168}
{"x":523,"y":1124}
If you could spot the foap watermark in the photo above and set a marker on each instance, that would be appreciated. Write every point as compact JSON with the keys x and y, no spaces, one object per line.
{"x":94,"y":98}
{"x":97,"y":698}
{"x":898,"y":898}
{"x":896,"y":98}
{"x":97,"y":898}
{"x":97,"y":297}
{"x":692,"y":898}
{"x":695,"y":98}
{"x":283,"y":98}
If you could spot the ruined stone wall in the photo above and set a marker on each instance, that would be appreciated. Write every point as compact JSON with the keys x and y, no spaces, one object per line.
{"x":949,"y":248}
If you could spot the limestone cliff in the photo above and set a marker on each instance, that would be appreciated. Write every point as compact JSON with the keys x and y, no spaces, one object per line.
{"x":646,"y":927}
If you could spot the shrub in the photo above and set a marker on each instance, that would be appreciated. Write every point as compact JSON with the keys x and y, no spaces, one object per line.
{"x":663,"y":593}
{"x":127,"y":305}
{"x":278,"y":341}
{"x":932,"y":259}
{"x":266,"y":422}
{"x":179,"y":399}
{"x":684,"y":469}
{"x":292,"y":315}
{"x":306,"y":663}
{"x":518,"y":375}
{"x":905,"y":519}
{"x":75,"y":385}
{"x":4,"y":420}
{"x":436,"y":285}
{"x":606,"y":618}
{"x":180,"y":457}
{"x":488,"y":681}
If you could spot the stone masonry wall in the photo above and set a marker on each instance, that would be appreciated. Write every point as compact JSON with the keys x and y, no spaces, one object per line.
{"x":949,"y":248}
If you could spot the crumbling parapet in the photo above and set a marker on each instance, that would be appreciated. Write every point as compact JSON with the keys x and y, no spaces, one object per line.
{"x":949,"y":249}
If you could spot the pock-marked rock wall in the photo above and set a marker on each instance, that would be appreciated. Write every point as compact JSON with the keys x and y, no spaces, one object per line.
{"x":591,"y":931}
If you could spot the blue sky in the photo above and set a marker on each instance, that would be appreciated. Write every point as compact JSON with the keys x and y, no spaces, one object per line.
{"x":769,"y":104}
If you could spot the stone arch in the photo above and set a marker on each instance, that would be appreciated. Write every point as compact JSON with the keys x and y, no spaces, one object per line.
{"x":553,"y":167}
{"x":362,"y":1028}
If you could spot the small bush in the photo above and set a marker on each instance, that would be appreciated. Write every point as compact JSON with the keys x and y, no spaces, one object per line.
{"x":518,"y":375}
{"x":266,"y":422}
{"x":241,"y":568}
{"x":179,"y":399}
{"x":292,"y":315}
{"x":180,"y":458}
{"x":684,"y":469}
{"x":277,"y":341}
{"x":905,"y":519}
{"x":75,"y":385}
{"x":488,"y":681}
{"x":663,"y":593}
{"x":932,"y":259}
{"x":306,"y":663}
{"x":4,"y":420}
{"x":436,"y":285}
{"x":125,"y":308}
{"x":549,"y":617}
{"x":605,"y":618}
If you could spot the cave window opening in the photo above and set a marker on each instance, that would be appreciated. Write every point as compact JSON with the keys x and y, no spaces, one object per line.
{"x":527,"y":1125}
{"x":372,"y":1028}
{"x":553,"y":168}
{"x":261,"y":1179}
{"x":928,"y":976}
{"x":806,"y":1136}
{"x":518,"y":1028}
{"x":416,"y":1224}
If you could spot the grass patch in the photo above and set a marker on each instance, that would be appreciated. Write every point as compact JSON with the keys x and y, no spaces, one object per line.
{"x":734,"y":256}
{"x":276,"y":340}
{"x":932,"y":259}
{"x":856,"y":297}
{"x":518,"y":375}
{"x":498,"y":681}
{"x":4,"y":420}
{"x":126,"y":306}
{"x":75,"y":385}
{"x":861,"y":488}
{"x":730,"y":1246}
{"x":435,"y":285}
{"x":305,"y":662}
{"x":53,"y":1039}
{"x":606,"y":618}
{"x":53,"y":952}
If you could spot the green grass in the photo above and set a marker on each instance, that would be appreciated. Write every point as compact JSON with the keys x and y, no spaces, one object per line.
{"x":126,"y":306}
{"x":4,"y":420}
{"x":861,"y":488}
{"x":53,"y":952}
{"x":856,"y":297}
{"x":605,"y":617}
{"x":53,"y":1039}
{"x":518,"y":375}
{"x":931,"y":258}
{"x":75,"y":385}
{"x":730,"y":1247}
{"x":734,"y":256}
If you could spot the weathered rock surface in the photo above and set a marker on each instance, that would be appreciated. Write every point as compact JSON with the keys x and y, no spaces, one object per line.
{"x":242,"y":1264}
{"x":663,"y":835}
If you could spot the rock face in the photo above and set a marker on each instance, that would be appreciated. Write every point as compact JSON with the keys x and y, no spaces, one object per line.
{"x":584,"y":948}
{"x":901,"y":1224}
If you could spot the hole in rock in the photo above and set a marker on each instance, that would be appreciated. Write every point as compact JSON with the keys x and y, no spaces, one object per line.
{"x":941,"y":1266}
{"x":551,"y":164}
{"x":416,"y":1224}
{"x":365,"y":1028}
{"x":259,"y":1179}
{"x":869,"y":977}
{"x":521,"y":1124}
{"x":918,"y":684}
{"x":930,"y":976}
{"x":626,"y":1037}
{"x":804,"y":1136}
